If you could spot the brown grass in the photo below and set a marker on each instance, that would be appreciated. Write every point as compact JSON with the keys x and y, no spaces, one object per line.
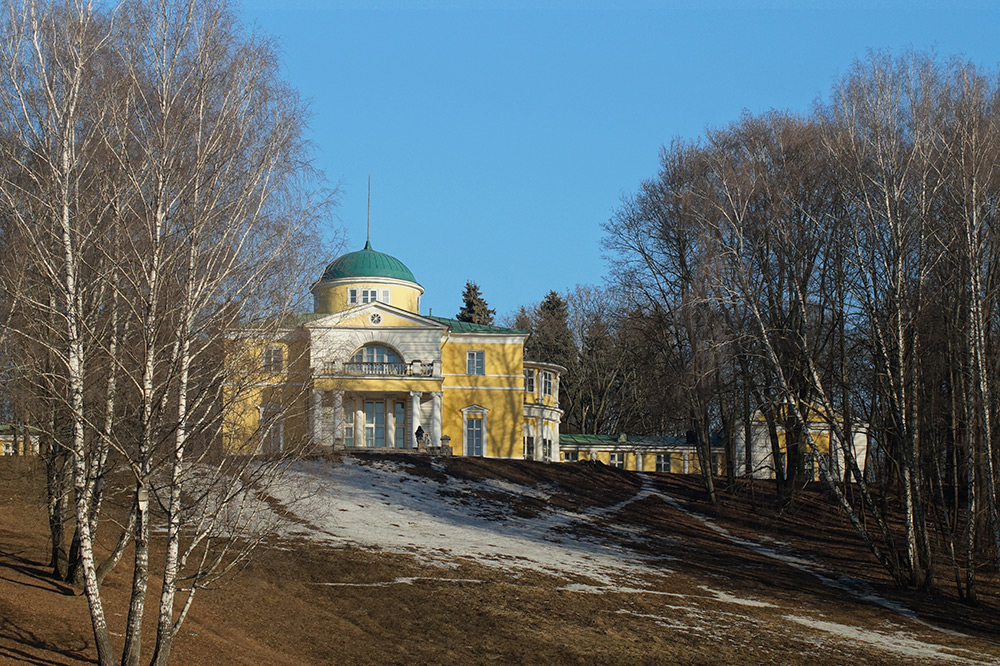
{"x":303,"y":603}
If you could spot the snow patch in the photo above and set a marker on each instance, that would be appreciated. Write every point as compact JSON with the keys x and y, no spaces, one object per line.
{"x":898,"y":643}
{"x":377,"y":505}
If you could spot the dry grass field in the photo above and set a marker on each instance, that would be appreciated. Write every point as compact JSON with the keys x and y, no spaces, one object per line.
{"x":411,"y":560}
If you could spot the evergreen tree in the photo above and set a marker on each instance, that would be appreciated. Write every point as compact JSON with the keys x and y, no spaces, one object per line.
{"x":551,"y":340}
{"x":475,"y":310}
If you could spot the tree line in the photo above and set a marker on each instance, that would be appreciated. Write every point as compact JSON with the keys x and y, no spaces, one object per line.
{"x":841,"y":262}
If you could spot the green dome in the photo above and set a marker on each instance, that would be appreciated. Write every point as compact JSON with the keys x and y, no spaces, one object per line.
{"x":367,"y":263}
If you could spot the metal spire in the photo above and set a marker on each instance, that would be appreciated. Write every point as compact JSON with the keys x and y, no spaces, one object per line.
{"x":368,"y":231}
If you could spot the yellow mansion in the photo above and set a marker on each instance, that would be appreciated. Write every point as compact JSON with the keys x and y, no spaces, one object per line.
{"x":367,"y":370}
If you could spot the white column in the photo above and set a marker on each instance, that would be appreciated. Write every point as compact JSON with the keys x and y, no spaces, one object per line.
{"x":314,"y":416}
{"x":338,"y":419}
{"x":359,"y":420}
{"x":414,"y":417}
{"x":436,"y":419}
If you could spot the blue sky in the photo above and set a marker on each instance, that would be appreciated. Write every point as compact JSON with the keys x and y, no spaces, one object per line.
{"x":500,"y":135}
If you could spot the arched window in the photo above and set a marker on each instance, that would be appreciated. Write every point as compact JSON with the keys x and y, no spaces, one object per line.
{"x":376,"y":359}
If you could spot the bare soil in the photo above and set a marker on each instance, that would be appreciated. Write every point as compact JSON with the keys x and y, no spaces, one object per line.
{"x":713,"y":601}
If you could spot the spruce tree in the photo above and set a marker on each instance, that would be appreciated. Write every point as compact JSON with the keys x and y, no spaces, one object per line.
{"x":552,"y":341}
{"x":475,"y":310}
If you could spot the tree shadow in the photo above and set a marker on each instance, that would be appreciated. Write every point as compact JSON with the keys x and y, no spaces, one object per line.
{"x":13,"y":636}
{"x":34,"y":570}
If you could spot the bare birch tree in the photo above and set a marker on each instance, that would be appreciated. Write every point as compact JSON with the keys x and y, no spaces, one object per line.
{"x":157,"y":180}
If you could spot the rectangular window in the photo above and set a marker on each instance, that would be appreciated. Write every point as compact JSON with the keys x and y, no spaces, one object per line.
{"x":475,"y":363}
{"x":809,"y":464}
{"x":547,"y":450}
{"x":374,"y":424}
{"x":348,"y":423}
{"x":662,"y":462}
{"x":385,"y":296}
{"x":529,"y":448}
{"x":571,"y":456}
{"x":529,"y":381}
{"x":400,"y":415}
{"x":274,"y":359}
{"x":547,"y":383}
{"x":352,"y":296}
{"x":474,"y":435}
{"x":617,"y":460}
{"x":369,"y":295}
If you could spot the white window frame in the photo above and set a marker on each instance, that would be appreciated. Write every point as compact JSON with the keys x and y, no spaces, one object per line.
{"x":349,"y":419}
{"x":369,"y":295}
{"x":529,"y":447}
{"x":474,"y":413}
{"x":663,"y":462}
{"x":399,"y":424}
{"x":571,"y":456}
{"x":547,"y":383}
{"x":352,"y":296}
{"x":616,"y":459}
{"x":546,"y":450}
{"x":475,"y":362}
{"x":529,"y":381}
{"x":273,"y":359}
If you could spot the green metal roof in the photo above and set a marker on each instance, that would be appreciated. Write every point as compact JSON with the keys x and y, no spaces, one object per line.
{"x":367,"y":263}
{"x":466,"y":327}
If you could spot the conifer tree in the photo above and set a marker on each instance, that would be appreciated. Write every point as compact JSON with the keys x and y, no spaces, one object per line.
{"x":551,"y":340}
{"x":475,"y":310}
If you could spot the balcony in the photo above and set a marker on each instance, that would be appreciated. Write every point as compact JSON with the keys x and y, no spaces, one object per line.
{"x":378,"y":369}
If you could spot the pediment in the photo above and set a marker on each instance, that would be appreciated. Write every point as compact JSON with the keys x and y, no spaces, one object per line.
{"x":374,"y":316}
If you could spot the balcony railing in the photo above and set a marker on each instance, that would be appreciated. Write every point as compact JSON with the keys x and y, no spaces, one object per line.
{"x":375,"y":369}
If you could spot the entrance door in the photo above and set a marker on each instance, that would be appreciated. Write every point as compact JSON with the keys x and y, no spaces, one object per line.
{"x":374,"y":423}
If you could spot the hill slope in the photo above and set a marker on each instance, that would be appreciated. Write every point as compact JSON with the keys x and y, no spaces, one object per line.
{"x":388,"y":558}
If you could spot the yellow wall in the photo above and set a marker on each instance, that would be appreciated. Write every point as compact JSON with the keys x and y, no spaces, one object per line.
{"x":677,"y":460}
{"x":249,"y":387}
{"x":504,"y":421}
{"x":388,"y":321}
{"x":330,"y":298}
{"x":820,"y":439}
{"x":538,"y":396}
{"x":504,"y":361}
{"x":500,"y":390}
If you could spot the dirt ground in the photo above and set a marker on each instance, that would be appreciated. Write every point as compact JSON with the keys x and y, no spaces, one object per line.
{"x":708,"y":598}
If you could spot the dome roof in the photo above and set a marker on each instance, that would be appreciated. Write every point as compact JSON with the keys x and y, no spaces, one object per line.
{"x":367,"y":263}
